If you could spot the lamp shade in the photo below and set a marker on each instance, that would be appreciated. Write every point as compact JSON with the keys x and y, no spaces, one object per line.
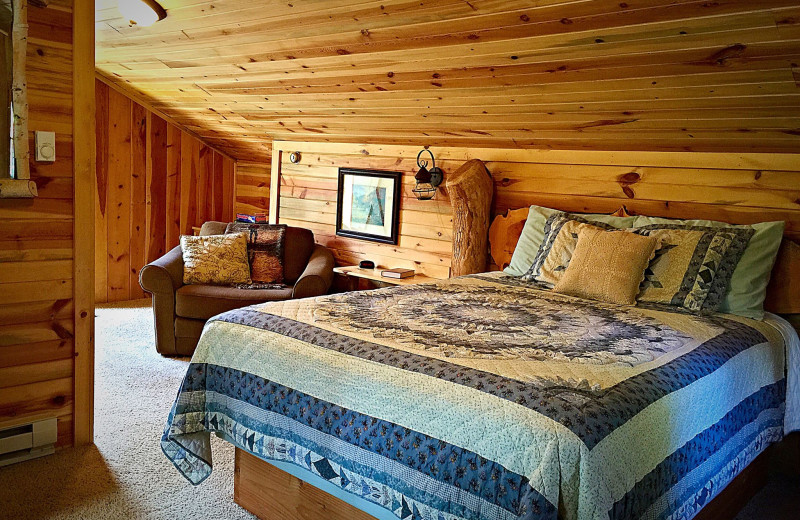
{"x":142,"y":12}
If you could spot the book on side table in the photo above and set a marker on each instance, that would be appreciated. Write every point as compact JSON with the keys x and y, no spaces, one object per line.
{"x":397,"y":273}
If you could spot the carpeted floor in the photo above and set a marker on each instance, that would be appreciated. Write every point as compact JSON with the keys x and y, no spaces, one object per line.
{"x":125,"y":476}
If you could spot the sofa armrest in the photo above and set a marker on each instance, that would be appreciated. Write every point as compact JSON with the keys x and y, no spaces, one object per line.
{"x":162,"y":278}
{"x":164,"y":275}
{"x":318,"y":275}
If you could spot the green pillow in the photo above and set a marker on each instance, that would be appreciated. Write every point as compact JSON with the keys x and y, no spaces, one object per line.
{"x":748,"y":286}
{"x":533,"y":235}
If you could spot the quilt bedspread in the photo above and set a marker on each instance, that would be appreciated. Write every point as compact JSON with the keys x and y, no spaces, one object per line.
{"x":484,"y":397}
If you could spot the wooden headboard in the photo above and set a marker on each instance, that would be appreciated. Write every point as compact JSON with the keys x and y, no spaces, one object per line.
{"x":738,"y":188}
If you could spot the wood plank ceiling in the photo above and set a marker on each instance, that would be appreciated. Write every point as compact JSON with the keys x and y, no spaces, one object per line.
{"x":708,"y":75}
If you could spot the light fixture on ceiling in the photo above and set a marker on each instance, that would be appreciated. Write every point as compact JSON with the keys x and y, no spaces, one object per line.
{"x":142,"y":12}
{"x":427,"y":180}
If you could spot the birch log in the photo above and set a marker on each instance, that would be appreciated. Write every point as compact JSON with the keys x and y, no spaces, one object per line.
{"x":470,"y":189}
{"x":19,"y":38}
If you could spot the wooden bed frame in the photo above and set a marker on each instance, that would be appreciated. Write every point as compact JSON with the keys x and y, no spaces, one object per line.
{"x":272,"y":494}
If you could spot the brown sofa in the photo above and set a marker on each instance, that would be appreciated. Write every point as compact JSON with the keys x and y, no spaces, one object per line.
{"x":181,"y":310}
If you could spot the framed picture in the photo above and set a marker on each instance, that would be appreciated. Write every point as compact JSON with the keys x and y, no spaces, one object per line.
{"x":368,"y":205}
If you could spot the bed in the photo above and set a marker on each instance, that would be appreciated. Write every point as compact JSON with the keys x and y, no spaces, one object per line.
{"x":484,"y":397}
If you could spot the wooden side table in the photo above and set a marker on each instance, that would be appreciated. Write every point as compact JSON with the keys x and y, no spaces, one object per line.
{"x":354,"y":273}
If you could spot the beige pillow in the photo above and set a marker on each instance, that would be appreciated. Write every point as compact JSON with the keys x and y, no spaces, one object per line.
{"x":215,"y":259}
{"x":607,"y":266}
{"x":555,"y":253}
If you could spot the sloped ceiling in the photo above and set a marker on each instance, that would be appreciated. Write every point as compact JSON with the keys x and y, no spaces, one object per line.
{"x":640,"y":74}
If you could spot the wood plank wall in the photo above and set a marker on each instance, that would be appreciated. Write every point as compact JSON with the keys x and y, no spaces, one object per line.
{"x":37,"y":324}
{"x":154,"y":183}
{"x":738,"y":188}
{"x":308,"y":192}
{"x":252,"y":187}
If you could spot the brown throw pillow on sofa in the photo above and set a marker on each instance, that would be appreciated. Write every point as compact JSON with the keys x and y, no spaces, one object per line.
{"x":265,"y":245}
{"x":607,"y":266}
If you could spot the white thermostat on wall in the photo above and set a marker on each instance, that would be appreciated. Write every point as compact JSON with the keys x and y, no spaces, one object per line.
{"x":45,"y":143}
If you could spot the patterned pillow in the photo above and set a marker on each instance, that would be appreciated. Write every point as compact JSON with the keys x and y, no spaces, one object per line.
{"x":215,"y":259}
{"x":560,"y":237}
{"x":265,"y":244}
{"x":694,"y":265}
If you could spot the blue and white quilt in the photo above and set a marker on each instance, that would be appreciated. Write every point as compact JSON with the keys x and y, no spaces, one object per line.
{"x":485,"y":398}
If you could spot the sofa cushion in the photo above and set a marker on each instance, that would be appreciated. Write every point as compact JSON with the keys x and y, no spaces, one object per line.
{"x":298,"y":248}
{"x":204,"y":301}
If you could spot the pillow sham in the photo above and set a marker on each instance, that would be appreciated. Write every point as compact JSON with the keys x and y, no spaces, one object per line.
{"x":561,"y":232}
{"x":747,"y":289}
{"x":607,"y":266}
{"x":215,"y":259}
{"x":693,"y":266}
{"x":533,"y":234}
{"x":265,"y":247}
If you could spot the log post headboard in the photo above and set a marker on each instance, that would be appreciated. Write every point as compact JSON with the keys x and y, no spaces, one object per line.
{"x":470,"y":189}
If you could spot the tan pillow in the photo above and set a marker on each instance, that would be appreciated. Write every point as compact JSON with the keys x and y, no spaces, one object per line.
{"x":215,"y":259}
{"x":556,"y":251}
{"x":607,"y":266}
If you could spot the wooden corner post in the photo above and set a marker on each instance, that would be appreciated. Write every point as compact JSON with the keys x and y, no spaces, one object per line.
{"x":471,"y":189}
{"x":83,"y":129}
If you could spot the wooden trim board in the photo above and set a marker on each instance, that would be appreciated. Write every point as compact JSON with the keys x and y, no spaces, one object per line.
{"x":83,"y":122}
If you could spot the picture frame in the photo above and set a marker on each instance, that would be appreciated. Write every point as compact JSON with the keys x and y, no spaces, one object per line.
{"x":368,"y":205}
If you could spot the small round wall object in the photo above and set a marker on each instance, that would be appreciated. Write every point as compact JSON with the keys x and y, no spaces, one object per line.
{"x":294,"y":157}
{"x":366,"y":264}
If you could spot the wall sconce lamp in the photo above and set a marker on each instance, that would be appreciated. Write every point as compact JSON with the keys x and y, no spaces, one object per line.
{"x":427,"y":180}
{"x":141,"y":12}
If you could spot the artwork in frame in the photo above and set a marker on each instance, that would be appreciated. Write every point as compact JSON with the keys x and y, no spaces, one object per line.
{"x":368,"y":205}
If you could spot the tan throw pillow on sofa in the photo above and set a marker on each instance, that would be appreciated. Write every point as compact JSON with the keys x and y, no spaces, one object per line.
{"x":215,"y":259}
{"x":607,"y":266}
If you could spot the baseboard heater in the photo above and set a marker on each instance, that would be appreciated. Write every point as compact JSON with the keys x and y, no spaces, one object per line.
{"x":28,"y":441}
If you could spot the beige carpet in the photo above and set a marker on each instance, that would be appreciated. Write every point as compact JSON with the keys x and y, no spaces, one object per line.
{"x":125,"y":476}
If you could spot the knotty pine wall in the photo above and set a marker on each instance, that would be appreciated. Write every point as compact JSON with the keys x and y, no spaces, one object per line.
{"x":252,"y":187}
{"x":154,"y":183}
{"x":737,"y":188}
{"x":37,"y":325}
